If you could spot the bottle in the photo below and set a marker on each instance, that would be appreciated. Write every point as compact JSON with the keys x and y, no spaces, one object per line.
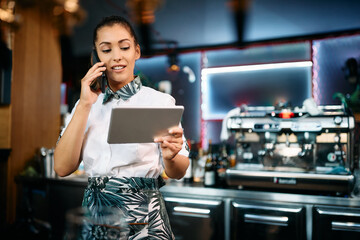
{"x":210,"y":171}
{"x":223,"y":164}
{"x":199,"y":167}
{"x":189,"y":175}
{"x":188,"y":178}
{"x":232,"y":159}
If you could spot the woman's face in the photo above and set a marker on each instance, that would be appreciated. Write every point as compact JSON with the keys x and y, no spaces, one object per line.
{"x":116,"y":48}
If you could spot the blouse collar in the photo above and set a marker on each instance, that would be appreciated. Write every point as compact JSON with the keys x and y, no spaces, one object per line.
{"x":125,"y":92}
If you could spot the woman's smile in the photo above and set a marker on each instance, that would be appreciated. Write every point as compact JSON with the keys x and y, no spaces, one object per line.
{"x":118,"y":68}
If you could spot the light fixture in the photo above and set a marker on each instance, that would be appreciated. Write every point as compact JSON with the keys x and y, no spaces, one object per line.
{"x":71,"y":5}
{"x":143,"y":10}
{"x":173,"y":62}
{"x":256,"y":67}
{"x":65,"y":13}
{"x":7,"y":14}
{"x":191,"y":74}
{"x":143,"y":14}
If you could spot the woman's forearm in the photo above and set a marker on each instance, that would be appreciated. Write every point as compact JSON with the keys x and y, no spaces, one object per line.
{"x":176,"y":167}
{"x":68,"y":150}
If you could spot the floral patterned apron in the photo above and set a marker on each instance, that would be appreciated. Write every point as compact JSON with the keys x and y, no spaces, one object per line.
{"x":140,"y":201}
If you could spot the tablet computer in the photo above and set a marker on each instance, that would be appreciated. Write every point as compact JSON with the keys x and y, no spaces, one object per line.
{"x":141,"y":124}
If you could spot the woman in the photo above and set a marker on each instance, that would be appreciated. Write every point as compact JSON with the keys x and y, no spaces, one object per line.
{"x":125,"y":176}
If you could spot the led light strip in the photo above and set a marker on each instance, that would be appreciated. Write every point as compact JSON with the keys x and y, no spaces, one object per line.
{"x":316,"y":83}
{"x":257,"y":67}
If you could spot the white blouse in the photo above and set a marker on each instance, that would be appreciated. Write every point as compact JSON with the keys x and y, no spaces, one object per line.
{"x":122,"y":160}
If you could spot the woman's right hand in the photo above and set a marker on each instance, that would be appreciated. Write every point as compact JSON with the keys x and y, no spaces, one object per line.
{"x":68,"y":150}
{"x":88,"y":96}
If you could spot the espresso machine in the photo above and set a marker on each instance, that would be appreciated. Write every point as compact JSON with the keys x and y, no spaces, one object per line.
{"x":292,"y":148}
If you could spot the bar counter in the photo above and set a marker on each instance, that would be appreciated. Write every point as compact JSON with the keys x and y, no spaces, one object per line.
{"x":223,"y":213}
{"x":197,"y":190}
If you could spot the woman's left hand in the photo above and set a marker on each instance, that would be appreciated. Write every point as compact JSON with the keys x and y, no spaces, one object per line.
{"x":172,"y":143}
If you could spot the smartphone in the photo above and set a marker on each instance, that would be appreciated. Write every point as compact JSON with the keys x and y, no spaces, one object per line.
{"x":100,"y":82}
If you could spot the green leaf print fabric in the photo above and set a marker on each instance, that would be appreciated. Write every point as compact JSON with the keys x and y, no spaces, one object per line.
{"x":140,"y":201}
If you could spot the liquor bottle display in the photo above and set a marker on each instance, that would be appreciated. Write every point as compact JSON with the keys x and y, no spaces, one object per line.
{"x":210,"y":169}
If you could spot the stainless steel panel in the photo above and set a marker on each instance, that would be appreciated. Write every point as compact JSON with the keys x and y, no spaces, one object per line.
{"x":233,"y":173}
{"x":198,"y":219}
{"x":331,"y":222}
{"x":181,"y":190}
{"x":261,"y":220}
{"x":343,"y":184}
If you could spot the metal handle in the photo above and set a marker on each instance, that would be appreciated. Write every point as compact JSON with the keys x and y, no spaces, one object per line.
{"x":268,"y":208}
{"x":337,"y":213}
{"x":192,"y":201}
{"x":265,"y":219}
{"x":345,"y":226}
{"x":192,"y":212}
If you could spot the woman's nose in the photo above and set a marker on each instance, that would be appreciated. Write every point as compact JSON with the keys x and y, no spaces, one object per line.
{"x":117,"y":54}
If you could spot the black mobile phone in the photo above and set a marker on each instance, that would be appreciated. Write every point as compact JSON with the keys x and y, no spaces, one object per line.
{"x":100,"y":82}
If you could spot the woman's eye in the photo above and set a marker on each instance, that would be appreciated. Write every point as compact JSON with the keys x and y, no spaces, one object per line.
{"x":106,"y":50}
{"x":125,"y":48}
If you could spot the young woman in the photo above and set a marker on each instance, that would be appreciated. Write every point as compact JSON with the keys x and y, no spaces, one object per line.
{"x":125,"y":176}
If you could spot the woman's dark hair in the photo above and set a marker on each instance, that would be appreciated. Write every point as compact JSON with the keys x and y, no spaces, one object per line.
{"x":110,"y":21}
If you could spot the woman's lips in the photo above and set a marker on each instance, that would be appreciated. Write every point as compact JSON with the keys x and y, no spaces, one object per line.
{"x":118,"y":68}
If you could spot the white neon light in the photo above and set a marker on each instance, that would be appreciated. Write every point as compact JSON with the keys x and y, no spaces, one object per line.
{"x":257,"y":67}
{"x":192,"y":210}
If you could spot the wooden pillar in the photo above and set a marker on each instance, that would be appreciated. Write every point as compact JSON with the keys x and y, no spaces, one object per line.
{"x":5,"y":131}
{"x":35,"y":94}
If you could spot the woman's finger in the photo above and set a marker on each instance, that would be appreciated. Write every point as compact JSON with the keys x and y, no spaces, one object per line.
{"x":170,"y":150}
{"x":91,"y":75}
{"x":176,"y":131}
{"x":170,"y":139}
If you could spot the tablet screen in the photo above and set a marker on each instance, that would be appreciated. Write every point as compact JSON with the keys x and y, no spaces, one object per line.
{"x":142,"y":124}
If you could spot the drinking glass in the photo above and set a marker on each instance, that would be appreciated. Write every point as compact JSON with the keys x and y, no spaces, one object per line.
{"x":102,"y":223}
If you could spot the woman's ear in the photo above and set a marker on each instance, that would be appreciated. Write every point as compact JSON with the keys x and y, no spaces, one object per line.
{"x":137,"y":52}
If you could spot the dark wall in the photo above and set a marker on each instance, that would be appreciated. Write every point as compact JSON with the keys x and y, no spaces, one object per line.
{"x":211,"y":22}
{"x":329,"y":57}
{"x":290,"y":18}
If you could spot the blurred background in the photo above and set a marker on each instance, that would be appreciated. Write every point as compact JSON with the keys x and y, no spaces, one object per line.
{"x":211,"y":55}
{"x":219,"y":33}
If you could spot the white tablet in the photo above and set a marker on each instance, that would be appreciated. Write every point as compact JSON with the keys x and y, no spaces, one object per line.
{"x":142,"y":124}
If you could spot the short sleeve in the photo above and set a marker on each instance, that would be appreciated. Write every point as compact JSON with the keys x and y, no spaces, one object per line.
{"x":67,"y":121}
